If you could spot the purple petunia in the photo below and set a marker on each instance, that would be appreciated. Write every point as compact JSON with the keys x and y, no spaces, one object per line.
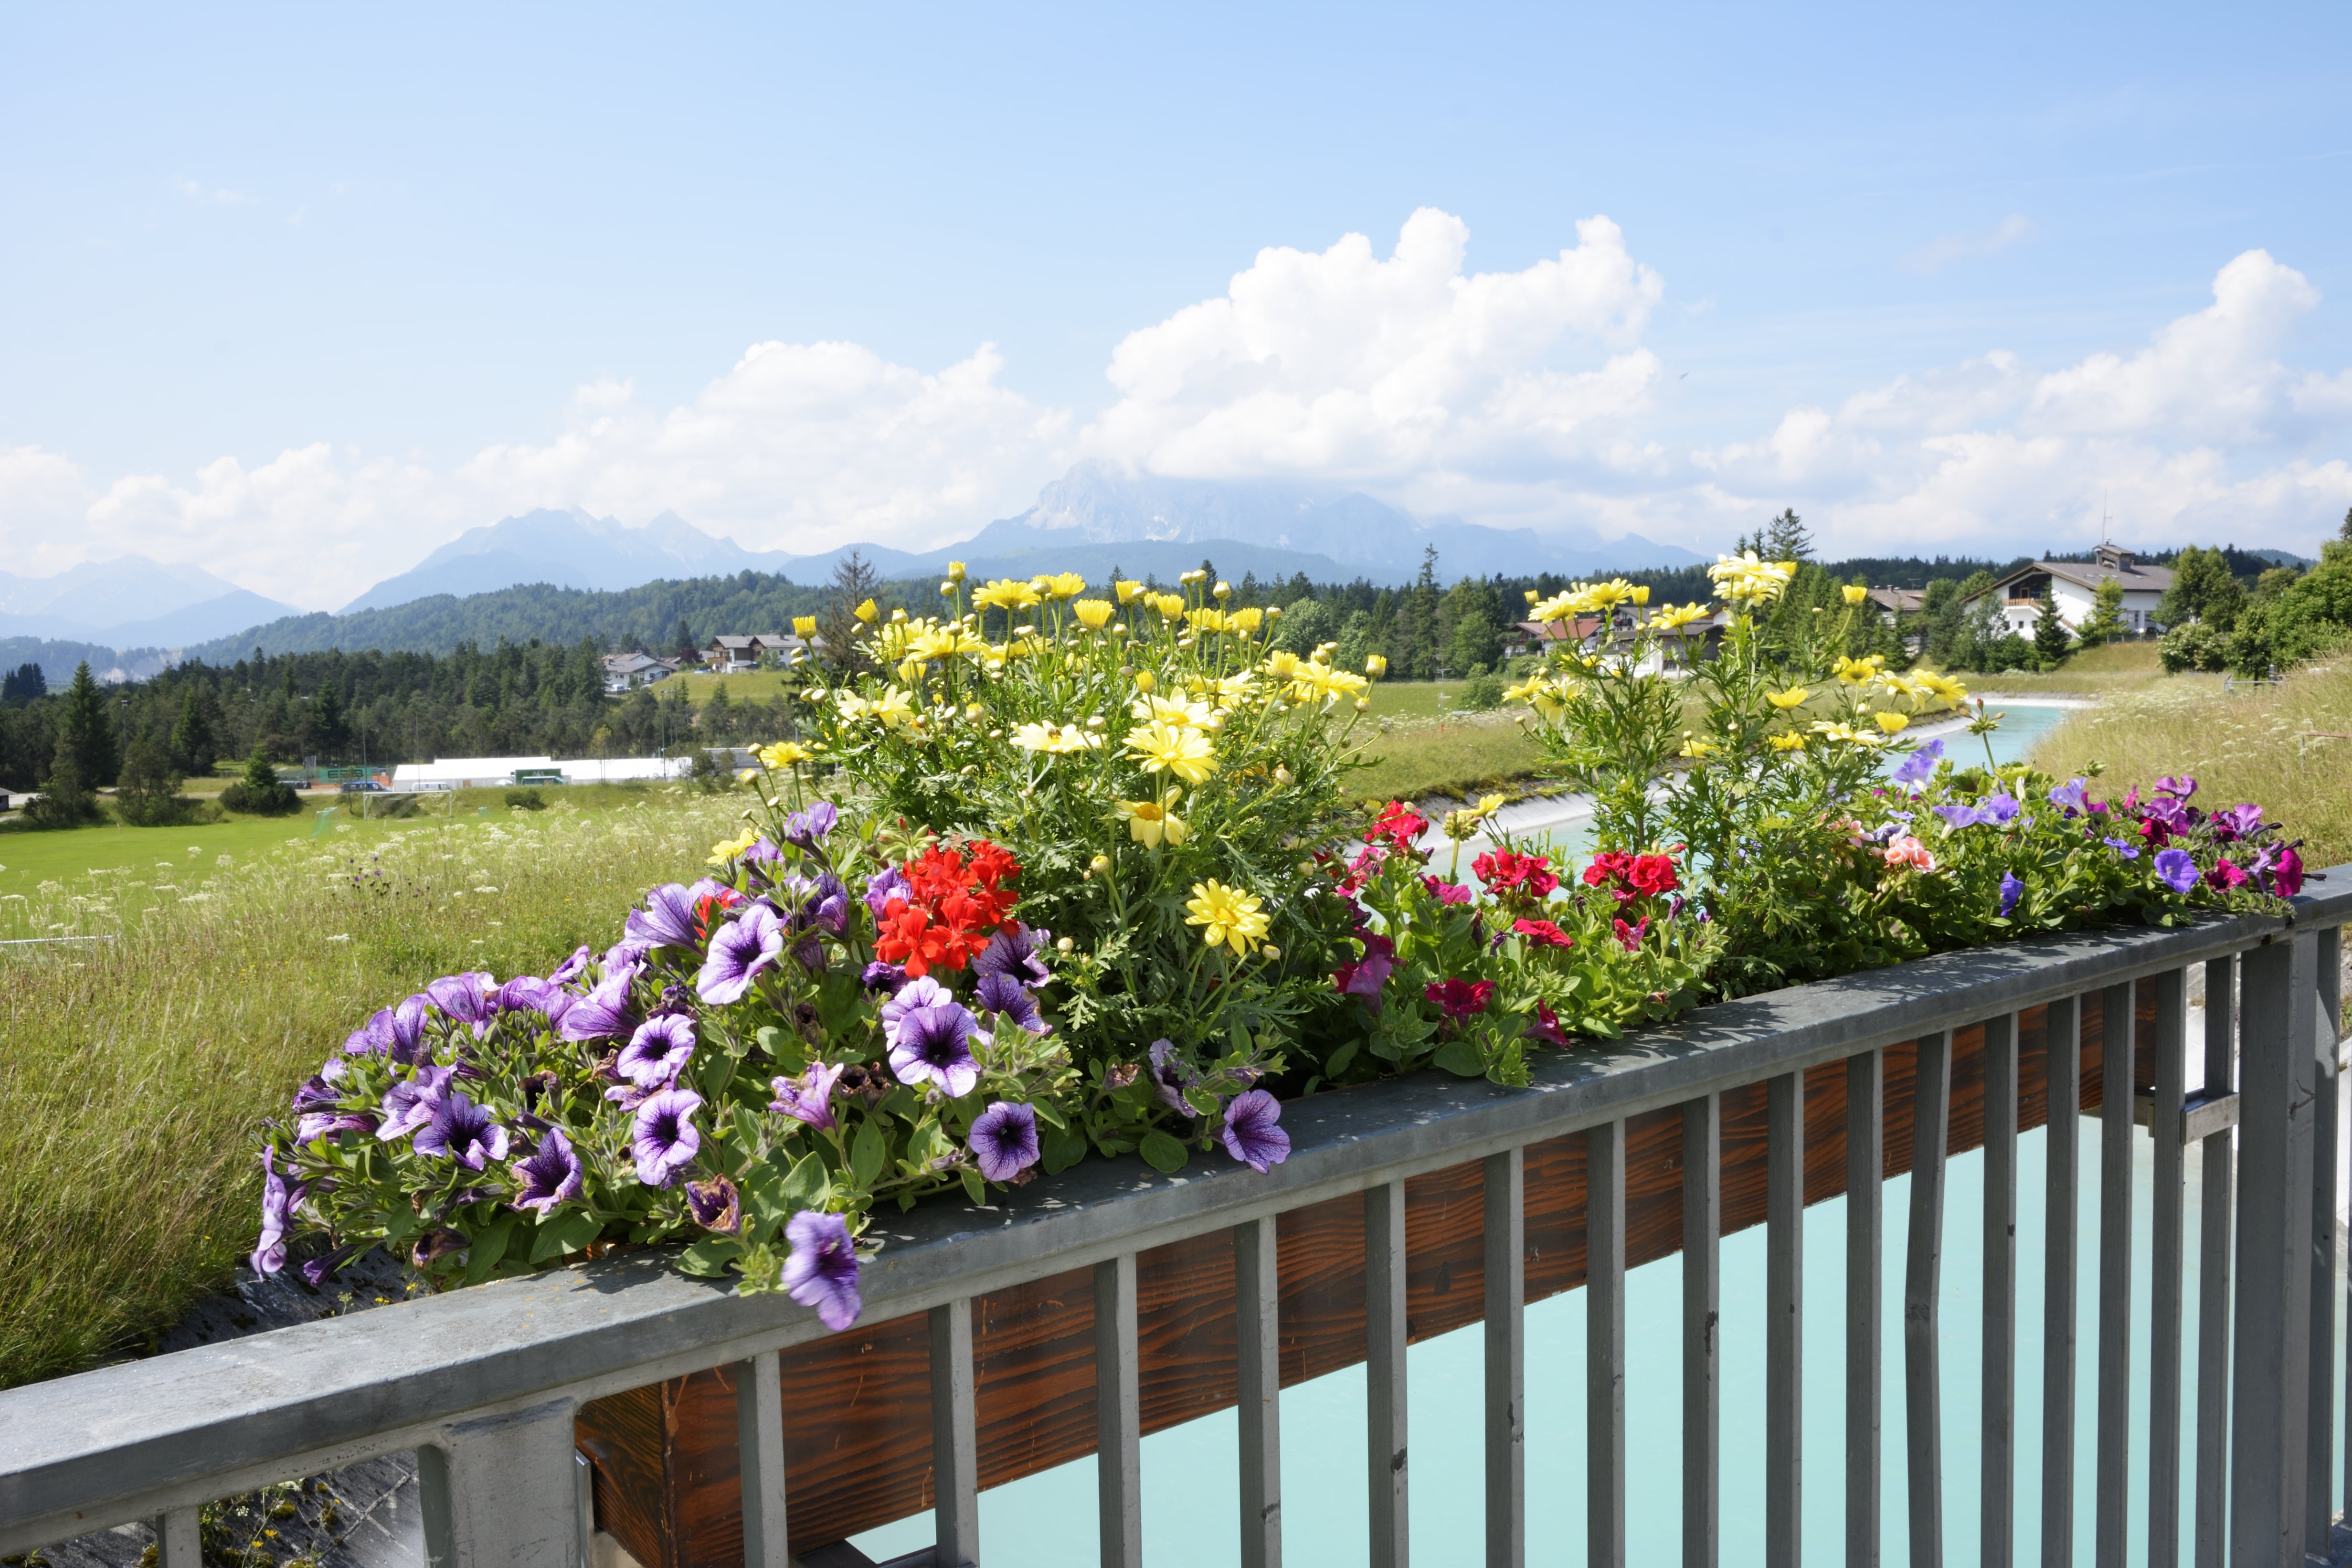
{"x":880,"y":976}
{"x":1007,"y":997}
{"x":883,"y":886}
{"x":1171,"y":1079}
{"x":551,"y":1175}
{"x":2178,"y":868}
{"x":1921,"y":763}
{"x":2171,"y":812}
{"x":666,"y":920}
{"x":804,"y":828}
{"x":529,"y":994}
{"x":463,"y":1131}
{"x":808,"y":1097}
{"x":664,"y":1137}
{"x":930,"y":1039}
{"x":656,"y":1052}
{"x":2238,"y":821}
{"x":572,"y":968}
{"x":409,"y":1106}
{"x":1251,"y":1132}
{"x":276,"y":1203}
{"x":2011,"y":889}
{"x":317,"y":1093}
{"x":318,"y":1124}
{"x":739,"y":951}
{"x":716,"y":1205}
{"x":1005,"y":1140}
{"x":2070,"y":797}
{"x":1014,"y":952}
{"x":465,"y":998}
{"x":603,"y":1012}
{"x":398,"y":1032}
{"x":828,"y":906}
{"x":2123,"y":846}
{"x":2180,"y":788}
{"x":822,"y":1270}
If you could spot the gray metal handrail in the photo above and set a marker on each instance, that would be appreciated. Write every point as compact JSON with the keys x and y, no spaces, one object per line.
{"x":484,"y":1383}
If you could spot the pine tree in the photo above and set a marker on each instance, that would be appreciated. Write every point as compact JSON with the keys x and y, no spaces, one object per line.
{"x":2104,"y":624}
{"x":85,"y":726}
{"x":148,"y":794}
{"x":327,"y":720}
{"x":24,"y":684}
{"x":65,"y":798}
{"x":1785,"y":539}
{"x":2050,"y":638}
{"x":2345,"y":533}
{"x":192,"y":751}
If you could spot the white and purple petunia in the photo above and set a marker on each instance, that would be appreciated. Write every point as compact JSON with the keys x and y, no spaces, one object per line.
{"x":668,"y":920}
{"x":276,"y":1203}
{"x":739,"y":951}
{"x":664,"y":1137}
{"x":930,"y":1037}
{"x":661,"y":1045}
{"x":808,"y":1097}
{"x":1005,"y":1140}
{"x":1251,"y":1133}
{"x":822,"y":1270}
{"x":603,"y":1012}
{"x":1170,"y":1078}
{"x":464,"y":998}
{"x":463,"y":1131}
{"x":1010,"y":1001}
{"x":549,"y":1175}
{"x":409,"y":1105}
{"x":716,"y":1205}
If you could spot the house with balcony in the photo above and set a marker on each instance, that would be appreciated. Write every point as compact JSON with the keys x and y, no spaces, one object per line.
{"x":2074,"y":587}
{"x":734,"y":654}
{"x":629,"y":671}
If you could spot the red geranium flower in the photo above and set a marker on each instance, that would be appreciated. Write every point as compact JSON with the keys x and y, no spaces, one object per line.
{"x":1651,"y":875}
{"x":1460,"y":998}
{"x":1543,"y":933}
{"x":1400,"y":824}
{"x":1506,"y":872}
{"x":1609,"y":866}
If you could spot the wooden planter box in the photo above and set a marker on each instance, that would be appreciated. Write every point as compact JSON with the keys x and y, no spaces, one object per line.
{"x":857,"y":1434}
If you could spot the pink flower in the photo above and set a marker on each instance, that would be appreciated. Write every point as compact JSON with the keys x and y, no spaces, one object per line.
{"x":1460,"y":998}
{"x":1908,"y":851}
{"x":1543,"y":933}
{"x":1630,"y":937}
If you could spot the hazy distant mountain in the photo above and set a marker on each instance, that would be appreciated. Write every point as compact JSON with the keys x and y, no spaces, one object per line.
{"x":131,"y":601}
{"x":1087,"y":521}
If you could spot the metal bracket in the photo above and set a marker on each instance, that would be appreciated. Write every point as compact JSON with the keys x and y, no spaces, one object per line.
{"x":2201,"y":1116}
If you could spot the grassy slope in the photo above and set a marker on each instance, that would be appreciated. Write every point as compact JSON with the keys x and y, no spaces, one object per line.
{"x":2114,"y":670}
{"x":133,"y":1071}
{"x":2248,"y":744}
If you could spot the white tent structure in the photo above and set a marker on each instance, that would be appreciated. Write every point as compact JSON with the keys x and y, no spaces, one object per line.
{"x":497,"y":772}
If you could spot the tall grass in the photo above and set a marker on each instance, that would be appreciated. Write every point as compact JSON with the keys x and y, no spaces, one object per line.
{"x":2281,"y":747}
{"x":134,"y":1069}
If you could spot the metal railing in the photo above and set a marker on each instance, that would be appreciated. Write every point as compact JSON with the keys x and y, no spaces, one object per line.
{"x":485,"y":1383}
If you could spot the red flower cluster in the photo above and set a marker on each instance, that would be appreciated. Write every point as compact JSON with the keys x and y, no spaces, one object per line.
{"x":951,"y":906}
{"x":1629,"y":937}
{"x":1633,"y":876}
{"x":1543,"y":933}
{"x":1399,"y":825}
{"x":1460,"y":998}
{"x":1506,"y":873}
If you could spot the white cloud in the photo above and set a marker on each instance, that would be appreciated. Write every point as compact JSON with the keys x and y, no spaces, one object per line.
{"x":1945,"y":249}
{"x":1517,"y":399}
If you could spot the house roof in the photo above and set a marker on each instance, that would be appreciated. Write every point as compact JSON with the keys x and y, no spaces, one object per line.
{"x":1898,"y":601}
{"x":2135,"y":578}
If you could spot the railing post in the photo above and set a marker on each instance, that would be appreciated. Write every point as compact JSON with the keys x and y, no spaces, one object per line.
{"x":1923,"y":1403}
{"x":1701,"y":1338}
{"x":500,"y":1492}
{"x":1257,"y":1292}
{"x":1784,"y":1325}
{"x":1119,"y":1436}
{"x":179,"y":1540}
{"x":759,"y":1438}
{"x":1997,"y":1510}
{"x":1505,"y":1247}
{"x":2164,"y":1265}
{"x":1384,"y":1374}
{"x":2113,"y":1478}
{"x":2326,"y":1151}
{"x":955,"y":1445}
{"x":1865,"y":1267}
{"x":2218,"y":1178}
{"x":2272,"y":1341}
{"x":1604,"y":1335}
{"x":2063,"y":1035}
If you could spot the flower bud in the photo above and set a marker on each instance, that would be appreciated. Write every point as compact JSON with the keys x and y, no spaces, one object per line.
{"x":1144,"y":680}
{"x":1065,"y":945}
{"x":1224,"y":590}
{"x":955,"y":572}
{"x":1281,"y":774}
{"x":1363,"y":704}
{"x":1270,"y":951}
{"x":1099,"y":863}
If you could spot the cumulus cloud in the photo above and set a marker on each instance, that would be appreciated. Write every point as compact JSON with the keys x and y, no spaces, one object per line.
{"x":1520,"y":398}
{"x":1945,"y":249}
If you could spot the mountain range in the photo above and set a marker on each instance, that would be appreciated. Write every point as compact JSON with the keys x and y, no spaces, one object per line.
{"x":130,"y":602}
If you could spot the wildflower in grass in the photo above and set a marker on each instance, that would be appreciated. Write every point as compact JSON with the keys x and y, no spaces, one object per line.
{"x":1093,"y":613}
{"x":1010,"y":1001}
{"x":658,"y":1050}
{"x":739,"y":951}
{"x":727,"y":849}
{"x":1252,"y":1133}
{"x":1227,"y":916}
{"x":1177,"y":712}
{"x":2178,"y":868}
{"x":807,"y":1098}
{"x":664,"y":1138}
{"x":603,"y":1012}
{"x":1183,"y":753}
{"x":1004,"y":1140}
{"x":2011,"y":889}
{"x":783,"y":755}
{"x":549,"y":1175}
{"x":716,"y":1205}
{"x":1542,"y":933}
{"x":930,"y":1037}
{"x":1152,"y":823}
{"x":463,"y":1131}
{"x":822,"y":1271}
{"x":1459,"y":999}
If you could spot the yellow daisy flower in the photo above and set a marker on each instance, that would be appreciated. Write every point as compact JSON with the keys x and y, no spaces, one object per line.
{"x":1005,"y":593}
{"x":1093,"y":613}
{"x":1792,"y":698}
{"x":1228,"y":915}
{"x":1152,"y":821}
{"x":1183,"y":752}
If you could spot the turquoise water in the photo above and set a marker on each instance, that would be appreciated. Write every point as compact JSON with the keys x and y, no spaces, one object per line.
{"x":1191,"y":1491}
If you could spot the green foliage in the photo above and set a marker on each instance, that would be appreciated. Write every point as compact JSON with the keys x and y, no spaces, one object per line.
{"x":2306,"y":618}
{"x":23,"y":684}
{"x":2050,"y":638}
{"x":86,"y":729}
{"x":1482,"y":693}
{"x":192,"y":747}
{"x":2194,"y":645}
{"x":148,"y":794}
{"x":65,"y":801}
{"x":2203,"y":590}
{"x":526,"y":799}
{"x":2105,"y":621}
{"x":260,"y":792}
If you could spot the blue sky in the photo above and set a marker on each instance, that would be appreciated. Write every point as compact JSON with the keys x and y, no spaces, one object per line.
{"x":299,"y":293}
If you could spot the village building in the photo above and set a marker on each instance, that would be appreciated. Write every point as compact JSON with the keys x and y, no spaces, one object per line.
{"x":629,"y":671}
{"x":2074,"y":587}
{"x":732,"y":654}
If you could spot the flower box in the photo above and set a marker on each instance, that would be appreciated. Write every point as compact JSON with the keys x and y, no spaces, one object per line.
{"x":857,"y":1411}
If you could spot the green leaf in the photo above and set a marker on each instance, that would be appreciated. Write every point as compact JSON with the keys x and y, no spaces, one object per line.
{"x":1339,"y":1060}
{"x":709,"y":1256}
{"x":807,"y":1184}
{"x":1048,"y":1114}
{"x":869,"y":1154}
{"x":1162,"y":1152}
{"x":567,"y":1233}
{"x":489,"y":1245}
{"x":973,"y":1188}
{"x":1064,"y":1147}
{"x":1462,"y":1058}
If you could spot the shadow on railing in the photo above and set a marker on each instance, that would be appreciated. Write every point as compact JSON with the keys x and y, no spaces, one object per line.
{"x":1407,"y":1210}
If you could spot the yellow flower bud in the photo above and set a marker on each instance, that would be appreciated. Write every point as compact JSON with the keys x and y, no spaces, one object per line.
{"x":1224,"y":590}
{"x":955,"y":572}
{"x":1065,"y":945}
{"x":868,"y":612}
{"x":1099,"y":863}
{"x":1144,"y":680}
{"x":1376,"y":664}
{"x":804,"y":626}
{"x":1270,"y":951}
{"x":1641,"y":593}
{"x":1855,"y":595}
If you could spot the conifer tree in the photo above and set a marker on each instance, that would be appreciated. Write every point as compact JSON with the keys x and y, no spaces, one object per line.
{"x":2050,"y":638}
{"x":192,"y":747}
{"x":87,"y":729}
{"x":2104,"y":624}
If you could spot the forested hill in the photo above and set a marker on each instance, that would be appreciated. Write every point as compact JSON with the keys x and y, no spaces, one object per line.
{"x":646,"y":617}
